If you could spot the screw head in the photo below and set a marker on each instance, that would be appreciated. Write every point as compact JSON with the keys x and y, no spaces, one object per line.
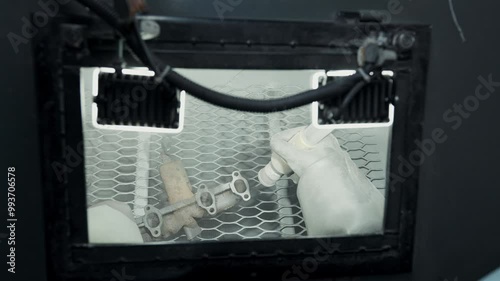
{"x":73,"y":37}
{"x":405,"y":40}
{"x":149,"y":29}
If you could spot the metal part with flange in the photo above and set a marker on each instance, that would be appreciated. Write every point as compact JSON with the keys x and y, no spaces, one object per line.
{"x":212,"y":201}
{"x":239,"y":186}
{"x":206,"y":200}
{"x":152,"y":220}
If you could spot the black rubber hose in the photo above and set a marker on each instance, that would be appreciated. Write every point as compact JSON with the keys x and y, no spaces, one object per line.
{"x":251,"y":105}
{"x":104,"y":11}
{"x":271,"y":105}
{"x":351,"y":95}
{"x":342,"y":86}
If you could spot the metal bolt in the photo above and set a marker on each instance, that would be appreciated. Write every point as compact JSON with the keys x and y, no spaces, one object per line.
{"x":149,"y":29}
{"x":404,"y":40}
{"x":73,"y":36}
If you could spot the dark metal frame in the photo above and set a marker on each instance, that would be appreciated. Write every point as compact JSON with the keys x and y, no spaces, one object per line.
{"x":69,"y":43}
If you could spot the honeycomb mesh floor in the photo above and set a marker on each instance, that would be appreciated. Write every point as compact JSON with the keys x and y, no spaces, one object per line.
{"x":124,"y":166}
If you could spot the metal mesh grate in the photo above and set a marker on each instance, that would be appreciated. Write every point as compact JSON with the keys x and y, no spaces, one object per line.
{"x":124,"y":166}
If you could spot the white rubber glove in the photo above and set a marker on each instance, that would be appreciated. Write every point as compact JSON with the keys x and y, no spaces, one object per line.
{"x":112,"y":222}
{"x":336,"y":199}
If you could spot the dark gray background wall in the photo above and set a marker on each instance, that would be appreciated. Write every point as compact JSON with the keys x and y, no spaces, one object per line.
{"x":458,"y":228}
{"x":18,"y":135}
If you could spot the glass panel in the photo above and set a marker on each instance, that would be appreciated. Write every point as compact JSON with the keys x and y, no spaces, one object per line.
{"x":215,"y":143}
